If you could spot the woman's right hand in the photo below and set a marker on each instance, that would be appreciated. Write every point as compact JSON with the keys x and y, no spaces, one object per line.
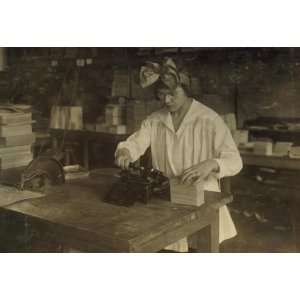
{"x":123,"y":158}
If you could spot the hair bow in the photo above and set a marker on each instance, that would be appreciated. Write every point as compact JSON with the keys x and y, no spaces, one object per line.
{"x":167,"y":72}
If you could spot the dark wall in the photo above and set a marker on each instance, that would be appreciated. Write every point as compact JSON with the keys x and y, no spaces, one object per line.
{"x":44,"y":76}
{"x":252,"y":81}
{"x":262,"y":81}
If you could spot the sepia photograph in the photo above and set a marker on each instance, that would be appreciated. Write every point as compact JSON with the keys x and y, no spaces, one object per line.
{"x":149,"y":149}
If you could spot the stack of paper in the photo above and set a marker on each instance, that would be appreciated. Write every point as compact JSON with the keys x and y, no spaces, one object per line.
{"x":16,"y":137}
{"x":10,"y":195}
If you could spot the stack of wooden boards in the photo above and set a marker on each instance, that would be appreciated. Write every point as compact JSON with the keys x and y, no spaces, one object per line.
{"x":16,"y":137}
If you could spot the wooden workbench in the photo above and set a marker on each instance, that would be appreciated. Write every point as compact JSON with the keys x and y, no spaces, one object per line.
{"x":78,"y":218}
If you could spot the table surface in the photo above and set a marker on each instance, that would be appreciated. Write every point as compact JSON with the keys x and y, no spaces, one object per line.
{"x":77,"y":208}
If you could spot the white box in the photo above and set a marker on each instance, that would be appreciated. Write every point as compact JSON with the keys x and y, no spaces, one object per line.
{"x":187,"y":194}
{"x":66,"y":117}
{"x":282,"y":148}
{"x":263,"y":148}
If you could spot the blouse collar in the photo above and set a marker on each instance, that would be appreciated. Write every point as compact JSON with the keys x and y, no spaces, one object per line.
{"x":192,"y":113}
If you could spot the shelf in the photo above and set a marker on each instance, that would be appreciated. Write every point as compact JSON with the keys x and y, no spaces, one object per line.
{"x":274,"y":162}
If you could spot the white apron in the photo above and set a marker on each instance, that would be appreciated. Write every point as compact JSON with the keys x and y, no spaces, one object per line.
{"x":202,"y":135}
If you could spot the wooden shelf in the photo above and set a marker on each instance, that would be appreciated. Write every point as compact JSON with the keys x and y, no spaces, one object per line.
{"x":275,"y":162}
{"x":276,"y":134}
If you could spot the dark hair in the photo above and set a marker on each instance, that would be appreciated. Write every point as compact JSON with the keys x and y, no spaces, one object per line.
{"x":187,"y":89}
{"x":160,"y":85}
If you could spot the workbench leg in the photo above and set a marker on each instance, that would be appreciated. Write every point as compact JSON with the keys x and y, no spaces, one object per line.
{"x":207,"y":239}
{"x":86,"y":154}
{"x":295,"y":217}
{"x":214,"y":233}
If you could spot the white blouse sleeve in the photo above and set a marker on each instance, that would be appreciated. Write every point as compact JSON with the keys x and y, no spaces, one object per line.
{"x":138,"y":142}
{"x":226,"y":152}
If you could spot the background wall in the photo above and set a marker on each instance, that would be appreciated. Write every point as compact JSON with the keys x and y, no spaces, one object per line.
{"x":253,"y":82}
{"x":44,"y":76}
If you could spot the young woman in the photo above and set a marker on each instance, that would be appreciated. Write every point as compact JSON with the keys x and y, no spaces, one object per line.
{"x":187,"y":139}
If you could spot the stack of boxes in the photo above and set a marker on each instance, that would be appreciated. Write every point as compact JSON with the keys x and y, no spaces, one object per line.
{"x":121,"y":118}
{"x":263,"y":148}
{"x":135,"y":114}
{"x":114,"y":119}
{"x":137,"y":111}
{"x":66,"y":117}
{"x":16,"y":137}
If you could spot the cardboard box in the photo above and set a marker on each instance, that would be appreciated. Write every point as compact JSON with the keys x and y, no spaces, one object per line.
{"x":187,"y":194}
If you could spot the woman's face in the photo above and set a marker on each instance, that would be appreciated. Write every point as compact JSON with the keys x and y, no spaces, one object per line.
{"x":172,"y":99}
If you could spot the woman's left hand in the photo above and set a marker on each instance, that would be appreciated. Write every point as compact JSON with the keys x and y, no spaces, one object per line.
{"x":199,"y":171}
